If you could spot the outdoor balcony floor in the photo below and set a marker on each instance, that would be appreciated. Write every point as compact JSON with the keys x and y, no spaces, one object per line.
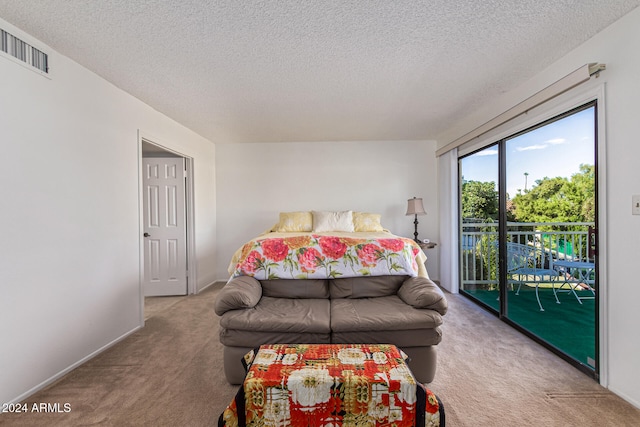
{"x":569,"y":326}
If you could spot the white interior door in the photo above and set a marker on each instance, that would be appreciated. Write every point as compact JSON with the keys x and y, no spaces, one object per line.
{"x":165,"y":253}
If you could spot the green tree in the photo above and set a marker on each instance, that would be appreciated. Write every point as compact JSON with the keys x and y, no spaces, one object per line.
{"x":558,"y":199}
{"x":585,"y":183}
{"x":479,"y":200}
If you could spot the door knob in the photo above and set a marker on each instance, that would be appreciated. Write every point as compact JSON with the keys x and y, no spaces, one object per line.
{"x":147,"y":235}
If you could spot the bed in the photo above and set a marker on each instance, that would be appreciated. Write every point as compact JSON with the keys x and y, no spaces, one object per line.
{"x":328,"y":245}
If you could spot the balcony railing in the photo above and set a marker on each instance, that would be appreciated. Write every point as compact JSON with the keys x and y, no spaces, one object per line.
{"x":559,"y":240}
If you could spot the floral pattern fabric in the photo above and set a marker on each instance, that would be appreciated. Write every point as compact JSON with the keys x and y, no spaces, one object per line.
{"x":318,"y":256}
{"x":331,"y":385}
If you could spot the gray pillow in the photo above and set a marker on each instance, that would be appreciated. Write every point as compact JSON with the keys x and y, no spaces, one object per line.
{"x":421,"y":292}
{"x":240,"y":292}
{"x":365,"y":286}
{"x":295,"y":288}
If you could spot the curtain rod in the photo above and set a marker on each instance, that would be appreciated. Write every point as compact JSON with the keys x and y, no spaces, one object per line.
{"x":569,"y":81}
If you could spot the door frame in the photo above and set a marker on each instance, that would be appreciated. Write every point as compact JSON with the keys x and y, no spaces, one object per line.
{"x":192,"y":281}
{"x":591,"y":91}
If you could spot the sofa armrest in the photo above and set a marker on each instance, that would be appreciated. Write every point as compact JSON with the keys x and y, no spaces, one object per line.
{"x":421,"y":292}
{"x":240,"y":292}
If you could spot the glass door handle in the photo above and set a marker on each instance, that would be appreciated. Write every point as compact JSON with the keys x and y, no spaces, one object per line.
{"x":593,"y":243}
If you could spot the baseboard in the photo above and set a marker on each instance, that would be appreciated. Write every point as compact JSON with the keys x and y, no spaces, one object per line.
{"x":209,"y":285}
{"x":625,"y":396}
{"x":65,"y":371}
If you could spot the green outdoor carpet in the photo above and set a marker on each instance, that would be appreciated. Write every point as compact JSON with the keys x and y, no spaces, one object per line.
{"x":568,"y":326}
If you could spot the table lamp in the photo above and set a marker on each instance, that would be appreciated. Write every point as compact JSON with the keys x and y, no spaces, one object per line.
{"x":414,"y":207}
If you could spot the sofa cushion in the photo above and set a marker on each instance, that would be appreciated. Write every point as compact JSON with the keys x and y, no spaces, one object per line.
{"x":365,"y":287}
{"x":380,"y":314}
{"x":299,"y":288}
{"x":240,"y":292}
{"x":420,"y":292}
{"x":253,"y":339}
{"x":281,"y":315}
{"x":402,"y":338}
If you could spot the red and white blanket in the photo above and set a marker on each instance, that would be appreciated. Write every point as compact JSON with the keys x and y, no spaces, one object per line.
{"x":331,"y":385}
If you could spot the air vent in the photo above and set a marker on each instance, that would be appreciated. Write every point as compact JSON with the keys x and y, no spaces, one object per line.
{"x":23,"y":51}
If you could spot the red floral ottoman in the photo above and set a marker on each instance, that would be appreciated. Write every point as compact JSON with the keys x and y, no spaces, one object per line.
{"x":331,"y":385}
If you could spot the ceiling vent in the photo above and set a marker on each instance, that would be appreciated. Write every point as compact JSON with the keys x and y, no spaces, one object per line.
{"x":23,"y":51}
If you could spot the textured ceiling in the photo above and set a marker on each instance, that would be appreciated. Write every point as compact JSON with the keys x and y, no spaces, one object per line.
{"x":324,"y":70}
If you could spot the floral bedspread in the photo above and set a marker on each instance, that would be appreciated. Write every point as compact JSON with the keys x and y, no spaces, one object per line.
{"x":322,"y":256}
{"x":331,"y":385}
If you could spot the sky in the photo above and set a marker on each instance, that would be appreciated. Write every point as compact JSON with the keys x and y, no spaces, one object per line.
{"x":555,"y":150}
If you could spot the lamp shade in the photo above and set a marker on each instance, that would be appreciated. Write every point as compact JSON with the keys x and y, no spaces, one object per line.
{"x":414,"y":207}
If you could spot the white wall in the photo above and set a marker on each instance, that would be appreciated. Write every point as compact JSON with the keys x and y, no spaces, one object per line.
{"x":621,"y":291}
{"x":69,"y":257}
{"x":257,"y":181}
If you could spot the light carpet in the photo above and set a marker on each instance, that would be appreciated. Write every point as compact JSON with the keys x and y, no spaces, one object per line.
{"x":170,"y":374}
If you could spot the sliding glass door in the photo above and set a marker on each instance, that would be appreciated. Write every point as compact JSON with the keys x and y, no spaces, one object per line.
{"x":479,"y":208}
{"x":528,"y":233}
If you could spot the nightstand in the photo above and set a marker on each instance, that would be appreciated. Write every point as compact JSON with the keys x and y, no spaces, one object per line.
{"x":429,"y":245}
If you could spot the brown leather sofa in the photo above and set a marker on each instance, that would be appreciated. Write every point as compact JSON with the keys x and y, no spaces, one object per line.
{"x":400,"y":310}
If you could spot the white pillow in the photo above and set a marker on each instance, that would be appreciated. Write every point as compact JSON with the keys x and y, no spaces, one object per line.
{"x":332,"y":221}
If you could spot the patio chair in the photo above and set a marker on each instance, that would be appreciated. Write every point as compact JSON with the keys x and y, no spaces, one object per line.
{"x":529,"y":264}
